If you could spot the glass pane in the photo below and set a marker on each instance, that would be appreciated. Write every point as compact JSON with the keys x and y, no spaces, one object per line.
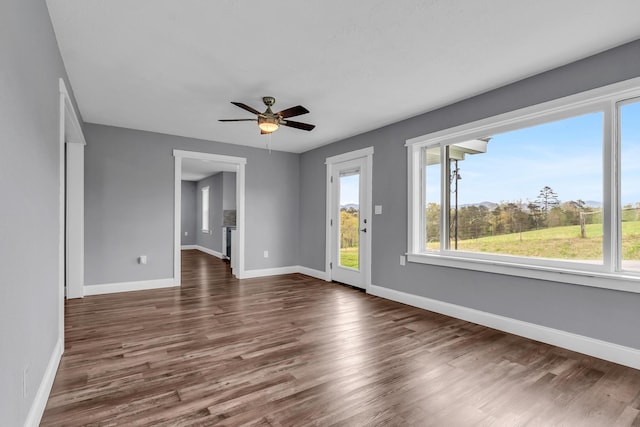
{"x":534,"y":192}
{"x":630,"y":185}
{"x":349,"y":219}
{"x":205,"y":209}
{"x":431,"y":159}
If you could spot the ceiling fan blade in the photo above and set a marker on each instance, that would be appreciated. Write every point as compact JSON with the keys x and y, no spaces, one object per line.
{"x":246,"y":107}
{"x":293,"y":111}
{"x":297,"y":125}
{"x":238,"y":120}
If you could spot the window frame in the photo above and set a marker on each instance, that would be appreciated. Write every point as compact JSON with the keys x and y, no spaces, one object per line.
{"x":609,"y":274}
{"x":205,"y":228}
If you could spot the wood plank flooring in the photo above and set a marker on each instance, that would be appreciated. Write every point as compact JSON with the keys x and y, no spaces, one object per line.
{"x":295,"y":351}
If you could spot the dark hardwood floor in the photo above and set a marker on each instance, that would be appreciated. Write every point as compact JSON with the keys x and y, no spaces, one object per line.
{"x":294,"y":351}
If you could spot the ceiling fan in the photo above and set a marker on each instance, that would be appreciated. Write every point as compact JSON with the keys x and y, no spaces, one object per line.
{"x":269,"y":121}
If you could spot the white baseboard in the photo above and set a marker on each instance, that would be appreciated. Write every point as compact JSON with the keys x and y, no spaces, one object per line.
{"x":322,"y":275}
{"x":627,"y":356}
{"x":110,"y":288}
{"x":265,"y":272}
{"x":208,"y":251}
{"x":250,"y":274}
{"x":42,"y":395}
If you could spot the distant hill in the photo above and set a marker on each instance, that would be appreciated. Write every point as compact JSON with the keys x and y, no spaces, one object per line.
{"x":491,"y":205}
{"x":349,"y":206}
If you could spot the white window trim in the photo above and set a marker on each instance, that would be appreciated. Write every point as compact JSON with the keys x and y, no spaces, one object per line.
{"x":602,"y":275}
{"x":204,"y":190}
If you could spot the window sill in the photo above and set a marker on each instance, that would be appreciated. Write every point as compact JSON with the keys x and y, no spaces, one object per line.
{"x":623,"y":281}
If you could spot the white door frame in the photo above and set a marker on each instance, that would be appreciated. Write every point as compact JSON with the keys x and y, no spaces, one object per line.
{"x":367,"y":154}
{"x":71,"y":229}
{"x":240,"y":164}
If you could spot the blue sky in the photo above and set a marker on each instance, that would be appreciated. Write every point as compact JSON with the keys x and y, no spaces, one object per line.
{"x":630,"y":171}
{"x":349,"y":189}
{"x":565,"y":155}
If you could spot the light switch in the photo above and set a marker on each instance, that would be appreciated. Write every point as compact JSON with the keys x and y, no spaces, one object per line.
{"x":378,"y":209}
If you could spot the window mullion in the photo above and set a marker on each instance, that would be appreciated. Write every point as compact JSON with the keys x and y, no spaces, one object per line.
{"x":616,"y":184}
{"x":609,"y":198}
{"x":423,"y":201}
{"x":445,"y":196}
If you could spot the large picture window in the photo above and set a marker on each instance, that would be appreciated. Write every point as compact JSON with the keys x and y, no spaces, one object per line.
{"x":533,"y":192}
{"x":550,"y":189}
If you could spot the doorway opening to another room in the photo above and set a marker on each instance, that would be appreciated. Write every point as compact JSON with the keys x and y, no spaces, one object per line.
{"x":209,"y":207}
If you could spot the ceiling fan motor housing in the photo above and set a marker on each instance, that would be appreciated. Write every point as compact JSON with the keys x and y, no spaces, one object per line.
{"x":268,"y":100}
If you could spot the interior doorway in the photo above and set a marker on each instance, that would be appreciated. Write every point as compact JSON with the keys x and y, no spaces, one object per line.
{"x":349,"y":218}
{"x":189,"y":161}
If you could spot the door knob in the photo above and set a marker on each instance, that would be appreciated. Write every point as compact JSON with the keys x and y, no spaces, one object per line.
{"x":364,"y":230}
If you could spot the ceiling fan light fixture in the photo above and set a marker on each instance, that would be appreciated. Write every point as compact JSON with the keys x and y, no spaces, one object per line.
{"x":268,"y":124}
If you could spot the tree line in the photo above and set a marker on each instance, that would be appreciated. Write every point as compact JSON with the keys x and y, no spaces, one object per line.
{"x":349,"y":223}
{"x":475,"y":221}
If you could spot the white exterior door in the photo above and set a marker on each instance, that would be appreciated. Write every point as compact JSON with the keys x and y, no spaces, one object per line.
{"x":350,"y":222}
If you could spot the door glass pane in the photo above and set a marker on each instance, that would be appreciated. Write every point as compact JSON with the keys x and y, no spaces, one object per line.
{"x":349,"y":219}
{"x":630,"y":185}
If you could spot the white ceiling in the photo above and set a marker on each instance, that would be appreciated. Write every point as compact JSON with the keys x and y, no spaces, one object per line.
{"x":173,"y":66}
{"x":197,"y":169}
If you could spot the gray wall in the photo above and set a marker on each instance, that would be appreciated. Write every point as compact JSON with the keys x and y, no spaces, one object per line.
{"x":189,"y":213}
{"x":29,"y":187}
{"x":213,"y":239}
{"x":228,"y":190}
{"x":599,"y":313}
{"x":129,"y":203}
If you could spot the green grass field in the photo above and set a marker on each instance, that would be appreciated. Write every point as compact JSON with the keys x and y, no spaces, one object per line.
{"x":349,"y":257}
{"x":557,"y":242}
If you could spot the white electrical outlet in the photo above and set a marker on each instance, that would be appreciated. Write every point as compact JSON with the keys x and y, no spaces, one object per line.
{"x":142,"y":259}
{"x":186,"y":233}
{"x":403,"y":260}
{"x":266,"y":254}
{"x":377,"y":209}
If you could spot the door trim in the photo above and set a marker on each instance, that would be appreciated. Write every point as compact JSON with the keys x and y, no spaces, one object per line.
{"x":367,"y":154}
{"x":71,"y":191}
{"x":240,"y":163}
